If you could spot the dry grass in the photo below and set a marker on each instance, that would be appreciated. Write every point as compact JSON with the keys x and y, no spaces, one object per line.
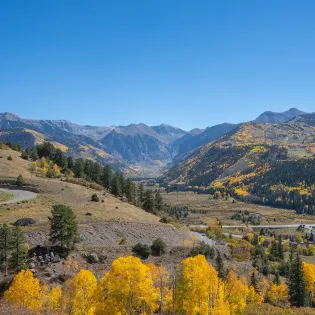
{"x":55,"y":191}
{"x":5,"y":196}
{"x":222,"y":210}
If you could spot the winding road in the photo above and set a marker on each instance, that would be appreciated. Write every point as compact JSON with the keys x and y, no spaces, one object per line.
{"x":20,"y":195}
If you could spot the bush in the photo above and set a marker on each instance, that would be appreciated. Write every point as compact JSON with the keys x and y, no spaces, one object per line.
{"x":203,"y":249}
{"x":141,"y":250}
{"x":165,"y":220}
{"x":158,"y":247}
{"x":24,"y":155}
{"x":20,"y":181}
{"x":95,"y":198}
{"x":10,"y":158}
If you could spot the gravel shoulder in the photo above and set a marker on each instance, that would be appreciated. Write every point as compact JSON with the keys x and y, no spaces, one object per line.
{"x":20,"y":195}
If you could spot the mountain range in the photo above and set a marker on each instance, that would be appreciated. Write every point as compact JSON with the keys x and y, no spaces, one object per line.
{"x":138,"y":149}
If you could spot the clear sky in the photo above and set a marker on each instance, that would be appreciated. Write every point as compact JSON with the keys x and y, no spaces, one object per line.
{"x":185,"y":63}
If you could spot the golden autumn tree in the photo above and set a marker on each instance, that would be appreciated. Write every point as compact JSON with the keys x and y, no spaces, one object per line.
{"x":25,"y":291}
{"x":84,"y":285}
{"x":51,"y":300}
{"x":236,"y":291}
{"x":197,"y":286}
{"x":220,"y":306}
{"x":277,"y":293}
{"x":128,"y":288}
{"x":309,"y":273}
{"x":161,"y":281}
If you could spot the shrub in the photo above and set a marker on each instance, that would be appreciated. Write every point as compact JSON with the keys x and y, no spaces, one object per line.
{"x":20,"y":181}
{"x":95,"y":198}
{"x":141,"y":250}
{"x":203,"y":249}
{"x":10,"y":158}
{"x":24,"y":155}
{"x":165,"y":220}
{"x":158,"y":247}
{"x":123,"y":241}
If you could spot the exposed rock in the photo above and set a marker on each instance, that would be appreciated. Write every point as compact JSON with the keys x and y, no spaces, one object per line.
{"x":24,"y":222}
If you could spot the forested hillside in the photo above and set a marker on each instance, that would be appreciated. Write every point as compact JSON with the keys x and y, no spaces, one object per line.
{"x":267,"y":163}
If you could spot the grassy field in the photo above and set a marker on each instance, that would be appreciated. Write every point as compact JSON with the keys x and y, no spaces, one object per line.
{"x":5,"y":196}
{"x":208,"y":210}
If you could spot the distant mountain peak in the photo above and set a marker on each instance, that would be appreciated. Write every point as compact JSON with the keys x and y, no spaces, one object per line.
{"x":8,"y":116}
{"x":275,"y":117}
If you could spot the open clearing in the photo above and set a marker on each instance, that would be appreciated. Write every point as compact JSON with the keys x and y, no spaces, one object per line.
{"x":206,"y":210}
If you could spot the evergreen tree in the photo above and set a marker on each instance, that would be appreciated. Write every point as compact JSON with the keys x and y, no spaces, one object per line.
{"x":297,"y":284}
{"x":96,"y":172}
{"x":140,"y":194}
{"x":70,"y":162}
{"x":106,"y":176}
{"x":78,"y":169}
{"x":5,"y":245}
{"x":158,"y":201}
{"x":63,"y":227}
{"x":148,"y":200}
{"x":122,"y":183}
{"x":60,"y":159}
{"x":115,"y":188}
{"x":276,"y":279}
{"x":20,"y":181}
{"x":280,"y":248}
{"x":46,"y":150}
{"x":219,"y":266}
{"x":130,"y":190}
{"x":254,"y":281}
{"x":34,"y":154}
{"x":255,"y":240}
{"x":18,"y":260}
{"x":24,"y":155}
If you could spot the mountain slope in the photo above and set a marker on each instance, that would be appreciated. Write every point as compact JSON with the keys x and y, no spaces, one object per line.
{"x":212,"y":160}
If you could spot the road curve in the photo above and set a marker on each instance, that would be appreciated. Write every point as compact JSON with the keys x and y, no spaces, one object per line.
{"x":20,"y":195}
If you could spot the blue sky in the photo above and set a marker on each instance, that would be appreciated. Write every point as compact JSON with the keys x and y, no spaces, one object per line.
{"x":184,"y":63}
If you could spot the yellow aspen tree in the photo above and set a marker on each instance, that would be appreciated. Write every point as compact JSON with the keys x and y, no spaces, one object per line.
{"x":277,"y":293}
{"x":51,"y":300}
{"x":161,"y":281}
{"x":253,"y":297}
{"x":309,"y":273}
{"x":235,"y":291}
{"x":25,"y":291}
{"x":197,"y":286}
{"x":128,"y":288}
{"x":84,"y":284}
{"x":56,"y":170}
{"x":221,"y":306}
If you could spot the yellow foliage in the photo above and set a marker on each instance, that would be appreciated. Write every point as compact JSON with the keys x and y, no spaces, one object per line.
{"x":25,"y":291}
{"x":277,"y":293}
{"x":129,"y":277}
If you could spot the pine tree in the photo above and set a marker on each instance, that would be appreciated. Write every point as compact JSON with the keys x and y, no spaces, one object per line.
{"x":5,"y":245}
{"x":276,"y":279}
{"x":130,"y":190}
{"x":219,"y":266}
{"x":140,"y":194}
{"x":254,"y":281}
{"x":280,"y":248}
{"x":158,"y":201}
{"x":106,"y":176}
{"x":148,"y":201}
{"x":297,"y":284}
{"x":63,"y":227}
{"x":78,"y":169}
{"x":115,"y":188}
{"x":70,"y":163}
{"x":255,"y":240}
{"x":20,"y":181}
{"x":34,"y":155}
{"x":18,"y":260}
